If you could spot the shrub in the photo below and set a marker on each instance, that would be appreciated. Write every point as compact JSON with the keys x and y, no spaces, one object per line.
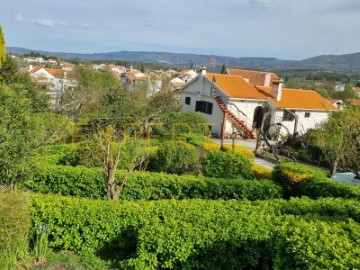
{"x":87,"y":154}
{"x":67,"y":180}
{"x":210,"y":147}
{"x":239,"y":149}
{"x":83,"y":182}
{"x":175,"y":157}
{"x":181,"y":123}
{"x":203,"y":234}
{"x":227,"y":165}
{"x":14,"y":228}
{"x":315,"y":187}
{"x":262,"y":172}
{"x":289,"y":175}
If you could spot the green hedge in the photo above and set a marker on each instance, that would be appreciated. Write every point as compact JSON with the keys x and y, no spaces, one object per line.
{"x":227,"y":165}
{"x":301,"y":180}
{"x":315,"y":187}
{"x":14,"y":228}
{"x":203,"y":234}
{"x":84,"y":182}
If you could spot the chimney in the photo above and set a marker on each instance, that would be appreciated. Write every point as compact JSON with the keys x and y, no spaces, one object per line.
{"x":276,"y":89}
{"x":202,"y":70}
{"x":267,"y":79}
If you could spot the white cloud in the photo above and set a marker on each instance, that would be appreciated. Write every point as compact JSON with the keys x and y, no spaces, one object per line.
{"x":84,"y":26}
{"x":42,"y":21}
{"x":261,"y":3}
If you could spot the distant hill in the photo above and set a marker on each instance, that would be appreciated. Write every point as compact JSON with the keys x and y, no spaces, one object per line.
{"x":346,"y":62}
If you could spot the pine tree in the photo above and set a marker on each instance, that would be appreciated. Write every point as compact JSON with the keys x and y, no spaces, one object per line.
{"x":2,"y":48}
{"x":223,"y":69}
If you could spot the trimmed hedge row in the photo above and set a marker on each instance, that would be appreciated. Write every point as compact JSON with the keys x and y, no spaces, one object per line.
{"x":316,"y":187}
{"x":301,"y":180}
{"x":202,"y":234}
{"x":14,"y":227}
{"x":84,"y":182}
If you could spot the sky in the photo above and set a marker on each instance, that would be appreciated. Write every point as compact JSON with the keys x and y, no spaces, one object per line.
{"x":285,"y":29}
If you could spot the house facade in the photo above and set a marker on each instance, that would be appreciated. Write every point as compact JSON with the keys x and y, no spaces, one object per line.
{"x":232,"y":104}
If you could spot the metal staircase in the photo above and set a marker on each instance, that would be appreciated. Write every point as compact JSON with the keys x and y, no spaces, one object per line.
{"x":238,"y":123}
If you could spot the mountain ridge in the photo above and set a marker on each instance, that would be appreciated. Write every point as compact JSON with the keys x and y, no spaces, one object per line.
{"x":345,"y":62}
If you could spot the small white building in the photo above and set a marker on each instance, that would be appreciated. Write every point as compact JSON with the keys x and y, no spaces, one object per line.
{"x":229,"y":102}
{"x":56,"y":81}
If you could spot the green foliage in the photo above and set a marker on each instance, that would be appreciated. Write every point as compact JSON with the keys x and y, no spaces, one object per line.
{"x":239,"y":149}
{"x":12,"y":77}
{"x":289,"y":175}
{"x":52,"y":128}
{"x":2,"y":48}
{"x":227,"y":165}
{"x":83,"y":182}
{"x":262,"y":172}
{"x":337,"y":141}
{"x":17,"y":134}
{"x":176,"y":123}
{"x":199,"y":234}
{"x":74,"y":181}
{"x":14,"y":228}
{"x":316,"y":187}
{"x":175,"y":157}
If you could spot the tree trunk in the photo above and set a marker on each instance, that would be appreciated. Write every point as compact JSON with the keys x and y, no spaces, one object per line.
{"x":334,"y":167}
{"x":112,"y":195}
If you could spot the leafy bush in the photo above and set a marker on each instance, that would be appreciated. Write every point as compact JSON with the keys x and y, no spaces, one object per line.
{"x":14,"y":228}
{"x":239,"y":149}
{"x":181,"y":123}
{"x":203,"y":234}
{"x":87,"y":154}
{"x":262,"y":172}
{"x":227,"y":165}
{"x":289,"y":175}
{"x":315,"y":187}
{"x":175,"y":157}
{"x":83,"y":182}
{"x":67,"y":180}
{"x":210,"y":147}
{"x":53,"y":154}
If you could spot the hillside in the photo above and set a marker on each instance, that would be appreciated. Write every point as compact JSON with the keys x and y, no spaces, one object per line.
{"x":346,"y":62}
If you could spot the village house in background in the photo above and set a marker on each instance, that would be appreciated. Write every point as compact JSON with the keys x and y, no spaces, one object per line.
{"x":231,"y":101}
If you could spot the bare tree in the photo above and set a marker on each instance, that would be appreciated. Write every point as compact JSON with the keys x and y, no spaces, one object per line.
{"x":111,"y":144}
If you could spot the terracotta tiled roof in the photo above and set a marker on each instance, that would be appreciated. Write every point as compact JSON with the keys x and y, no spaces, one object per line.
{"x":298,"y":99}
{"x":235,"y":86}
{"x":57,"y":73}
{"x":35,"y":69}
{"x":183,"y":72}
{"x":254,"y":77}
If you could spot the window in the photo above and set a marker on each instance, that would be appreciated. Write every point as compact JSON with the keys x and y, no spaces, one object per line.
{"x":307,"y":115}
{"x":203,"y":106}
{"x":188,"y":100}
{"x":287,"y":116}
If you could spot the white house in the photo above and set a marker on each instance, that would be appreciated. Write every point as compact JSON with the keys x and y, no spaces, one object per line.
{"x":187,"y":75}
{"x":56,"y":81}
{"x":229,"y":102}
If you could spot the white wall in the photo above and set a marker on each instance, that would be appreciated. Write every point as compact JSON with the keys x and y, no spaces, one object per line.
{"x":247,"y":107}
{"x":304,"y":123}
{"x":199,"y":90}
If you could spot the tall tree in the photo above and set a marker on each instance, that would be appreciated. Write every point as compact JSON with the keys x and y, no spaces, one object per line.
{"x":17,"y":134}
{"x":2,"y":47}
{"x":339,"y":139}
